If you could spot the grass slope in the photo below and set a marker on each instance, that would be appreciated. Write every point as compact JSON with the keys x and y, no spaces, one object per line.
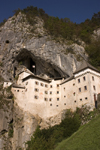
{"x":86,"y":138}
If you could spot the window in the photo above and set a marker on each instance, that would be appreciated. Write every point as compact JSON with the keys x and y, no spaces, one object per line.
{"x":50,"y":92}
{"x":57,"y":92}
{"x":50,"y":104}
{"x":45,"y":99}
{"x":86,"y":98}
{"x":81,"y":99}
{"x":57,"y":85}
{"x":73,"y":84}
{"x":64,"y":103}
{"x":17,"y":90}
{"x":37,"y":83}
{"x":85,"y":88}
{"x":46,"y":92}
{"x":51,"y":86}
{"x":36,"y":97}
{"x":50,"y":99}
{"x":84,"y":78}
{"x":75,"y":101}
{"x":46,"y":85}
{"x":36,"y":90}
{"x":64,"y":88}
{"x":74,"y":93}
{"x":78,"y":80}
{"x":79,"y":89}
{"x":92,"y":78}
{"x":41,"y":84}
{"x":94,"y":87}
{"x":56,"y":105}
{"x":64,"y":96}
{"x":26,"y":83}
{"x":57,"y":99}
{"x":25,"y":90}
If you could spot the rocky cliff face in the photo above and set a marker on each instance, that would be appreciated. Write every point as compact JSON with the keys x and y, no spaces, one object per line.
{"x":20,"y":48}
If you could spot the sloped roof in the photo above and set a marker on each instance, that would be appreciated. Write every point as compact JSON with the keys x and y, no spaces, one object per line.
{"x":68,"y":79}
{"x":18,"y":86}
{"x":84,"y":66}
{"x":36,"y":77}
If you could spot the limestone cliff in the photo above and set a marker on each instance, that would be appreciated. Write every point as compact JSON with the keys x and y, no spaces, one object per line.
{"x":18,"y":45}
{"x":19,"y":48}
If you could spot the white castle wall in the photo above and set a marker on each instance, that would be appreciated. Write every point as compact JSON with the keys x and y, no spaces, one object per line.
{"x":47,"y":99}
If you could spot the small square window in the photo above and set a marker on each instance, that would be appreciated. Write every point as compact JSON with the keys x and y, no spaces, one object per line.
{"x":92,"y":78}
{"x":46,"y":85}
{"x":50,"y":92}
{"x":85,"y":88}
{"x":46,"y":92}
{"x":78,"y":80}
{"x":64,"y":96}
{"x":73,"y":84}
{"x":37,"y":83}
{"x":57,"y":85}
{"x":41,"y":84}
{"x":36,"y":90}
{"x":94,"y":87}
{"x":74,"y":93}
{"x":57,"y":99}
{"x":79,"y":89}
{"x":45,"y":99}
{"x":51,"y":86}
{"x":56,"y":105}
{"x":17,"y":90}
{"x":81,"y":99}
{"x":36,"y":97}
{"x":64,"y":88}
{"x":84,"y":78}
{"x":50,"y":99}
{"x":26,"y":83}
{"x":64,"y":103}
{"x":50,"y":104}
{"x":86,"y":98}
{"x":75,"y":101}
{"x":57,"y":92}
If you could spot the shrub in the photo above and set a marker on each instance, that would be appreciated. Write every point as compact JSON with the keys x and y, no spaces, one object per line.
{"x":46,"y":139}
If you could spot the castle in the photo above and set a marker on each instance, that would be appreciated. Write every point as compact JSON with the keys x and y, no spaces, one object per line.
{"x":48,"y":97}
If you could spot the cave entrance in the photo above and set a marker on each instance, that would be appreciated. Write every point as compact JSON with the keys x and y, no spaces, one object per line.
{"x":32,"y":66}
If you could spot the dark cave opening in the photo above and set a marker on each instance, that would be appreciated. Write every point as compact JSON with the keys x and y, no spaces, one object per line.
{"x":36,"y":65}
{"x":32,"y":67}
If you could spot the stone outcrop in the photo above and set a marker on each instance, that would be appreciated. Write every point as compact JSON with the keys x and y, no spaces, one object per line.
{"x":19,"y":47}
{"x":52,"y":58}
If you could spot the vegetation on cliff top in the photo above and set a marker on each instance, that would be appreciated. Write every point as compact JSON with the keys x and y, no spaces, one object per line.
{"x":63,"y":27}
{"x":66,"y":29}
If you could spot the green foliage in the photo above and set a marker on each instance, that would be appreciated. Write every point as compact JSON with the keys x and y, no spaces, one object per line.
{"x":1,"y":64}
{"x":62,"y":27}
{"x":86,"y":138}
{"x":10,"y":132}
{"x":93,"y":51}
{"x":47,"y":139}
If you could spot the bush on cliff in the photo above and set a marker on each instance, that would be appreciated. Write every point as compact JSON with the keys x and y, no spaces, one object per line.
{"x":46,"y":139}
